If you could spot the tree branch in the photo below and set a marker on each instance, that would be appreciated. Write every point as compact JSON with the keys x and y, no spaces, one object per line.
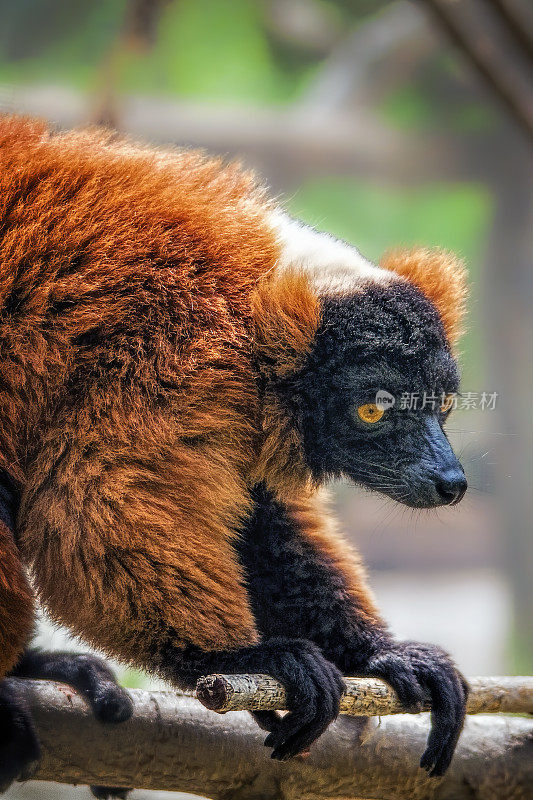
{"x":469,"y":28}
{"x":280,"y":142}
{"x":363,"y":696}
{"x":343,"y":77}
{"x":173,"y":743}
{"x":516,"y":24}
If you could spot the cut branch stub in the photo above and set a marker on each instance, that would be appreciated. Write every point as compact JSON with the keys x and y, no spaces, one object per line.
{"x":363,"y":696}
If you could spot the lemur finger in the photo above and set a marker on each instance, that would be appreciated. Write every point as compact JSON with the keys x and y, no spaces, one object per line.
{"x":111,"y":704}
{"x":267,"y":720}
{"x":395,"y":669}
{"x":294,"y":735}
{"x":301,"y":702}
{"x":89,"y":675}
{"x":448,"y":705}
{"x":303,"y":736}
{"x":448,"y":691}
{"x":300,"y":741}
{"x":328,"y":710}
{"x":446,"y":728}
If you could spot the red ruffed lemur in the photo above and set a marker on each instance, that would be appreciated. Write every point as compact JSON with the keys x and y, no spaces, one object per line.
{"x":182,"y":368}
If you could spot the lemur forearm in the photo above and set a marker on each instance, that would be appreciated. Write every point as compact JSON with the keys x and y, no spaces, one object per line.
{"x":301,"y":578}
{"x":289,"y":558}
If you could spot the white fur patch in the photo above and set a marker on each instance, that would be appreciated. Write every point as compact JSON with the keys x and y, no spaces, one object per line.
{"x":334,"y":266}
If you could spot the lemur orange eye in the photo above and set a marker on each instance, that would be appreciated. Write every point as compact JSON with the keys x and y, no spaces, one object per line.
{"x":447,"y":403}
{"x":370,"y":412}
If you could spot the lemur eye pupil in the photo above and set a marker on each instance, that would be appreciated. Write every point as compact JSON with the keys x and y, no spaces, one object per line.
{"x":370,"y":412}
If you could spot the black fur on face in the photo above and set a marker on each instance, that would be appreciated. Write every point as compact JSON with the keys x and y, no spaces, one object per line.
{"x":385,"y":337}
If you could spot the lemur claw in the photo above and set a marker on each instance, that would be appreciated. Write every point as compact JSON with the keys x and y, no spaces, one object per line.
{"x":113,"y":706}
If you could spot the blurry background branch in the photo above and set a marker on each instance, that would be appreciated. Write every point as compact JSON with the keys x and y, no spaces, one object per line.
{"x":137,"y":35}
{"x":342,"y":80}
{"x":283,"y":143}
{"x":517,"y":20}
{"x":493,"y":35}
{"x":173,"y":743}
{"x":142,"y":21}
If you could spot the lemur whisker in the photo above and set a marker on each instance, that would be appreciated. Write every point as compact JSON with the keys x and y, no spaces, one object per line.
{"x":381,"y":467}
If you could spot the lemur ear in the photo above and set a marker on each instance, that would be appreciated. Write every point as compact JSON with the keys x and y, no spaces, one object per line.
{"x":440,"y":275}
{"x":286,"y":315}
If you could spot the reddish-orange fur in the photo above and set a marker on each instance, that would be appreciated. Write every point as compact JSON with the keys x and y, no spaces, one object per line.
{"x":286,"y":315}
{"x":440,"y":275}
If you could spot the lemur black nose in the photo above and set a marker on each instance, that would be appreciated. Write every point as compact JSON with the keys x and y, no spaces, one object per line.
{"x":451,"y":486}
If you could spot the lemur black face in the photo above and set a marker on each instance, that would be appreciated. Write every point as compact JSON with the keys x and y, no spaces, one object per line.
{"x":388,"y":337}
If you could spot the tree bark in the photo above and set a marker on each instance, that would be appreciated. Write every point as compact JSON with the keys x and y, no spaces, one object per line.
{"x":173,"y":743}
